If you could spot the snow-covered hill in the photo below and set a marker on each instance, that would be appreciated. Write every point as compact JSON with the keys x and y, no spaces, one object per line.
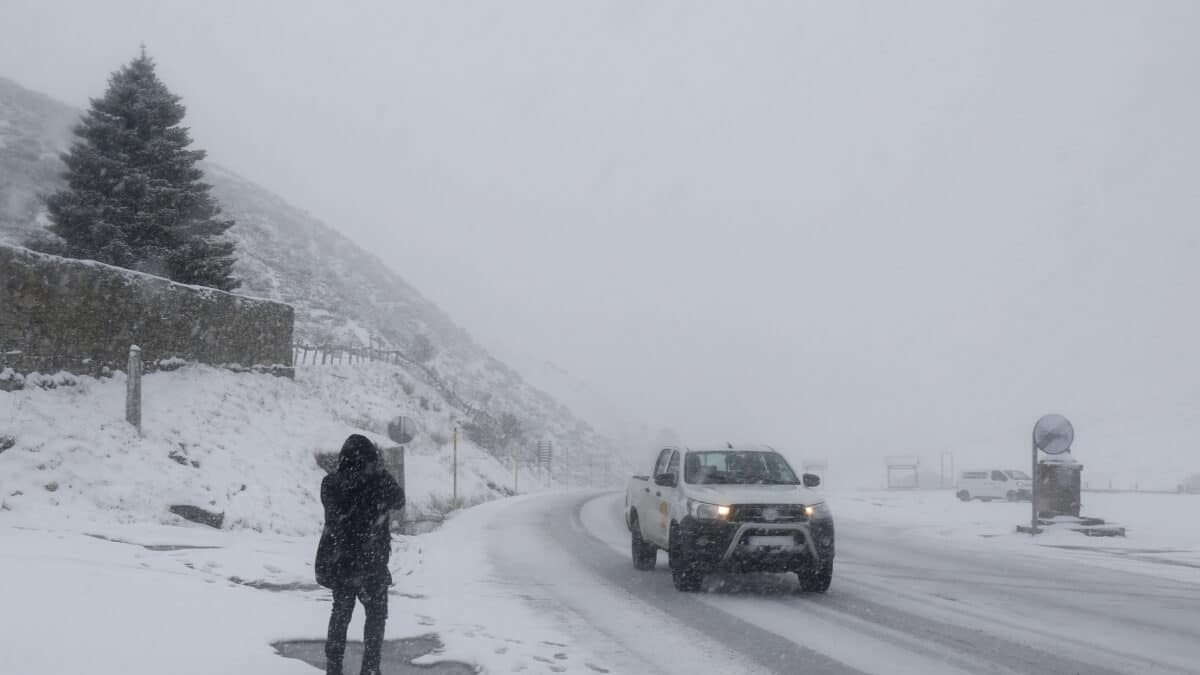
{"x":635,"y":438}
{"x":342,"y":294}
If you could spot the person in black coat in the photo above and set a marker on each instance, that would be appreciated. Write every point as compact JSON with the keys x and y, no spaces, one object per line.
{"x":356,"y":544}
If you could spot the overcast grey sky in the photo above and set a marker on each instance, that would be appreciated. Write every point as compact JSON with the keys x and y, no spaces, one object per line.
{"x":836,"y":226}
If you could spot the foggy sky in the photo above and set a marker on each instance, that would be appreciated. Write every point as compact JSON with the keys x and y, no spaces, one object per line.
{"x":844,"y":228}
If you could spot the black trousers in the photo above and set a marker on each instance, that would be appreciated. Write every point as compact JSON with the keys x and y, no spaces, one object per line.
{"x":374,"y":599}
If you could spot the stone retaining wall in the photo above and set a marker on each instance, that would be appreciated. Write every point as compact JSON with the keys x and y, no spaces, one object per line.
{"x":79,"y":316}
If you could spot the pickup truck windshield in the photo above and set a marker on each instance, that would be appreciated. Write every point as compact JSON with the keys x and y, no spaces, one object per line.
{"x":738,"y":468}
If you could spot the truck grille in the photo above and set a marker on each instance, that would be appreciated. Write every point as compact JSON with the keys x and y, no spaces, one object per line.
{"x":768,"y":513}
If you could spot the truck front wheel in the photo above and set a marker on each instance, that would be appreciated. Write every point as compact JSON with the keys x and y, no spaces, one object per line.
{"x":645,"y":554}
{"x":683,"y":574}
{"x":816,"y":579}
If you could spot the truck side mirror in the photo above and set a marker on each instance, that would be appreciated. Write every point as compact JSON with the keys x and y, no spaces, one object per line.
{"x":811,"y":480}
{"x":665,"y":480}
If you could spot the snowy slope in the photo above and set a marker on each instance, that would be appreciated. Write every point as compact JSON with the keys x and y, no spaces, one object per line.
{"x":32,"y":128}
{"x":237,"y":443}
{"x":633,"y":436}
{"x":342,"y":294}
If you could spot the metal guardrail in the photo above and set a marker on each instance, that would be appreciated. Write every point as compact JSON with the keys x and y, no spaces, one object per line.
{"x":327,"y":354}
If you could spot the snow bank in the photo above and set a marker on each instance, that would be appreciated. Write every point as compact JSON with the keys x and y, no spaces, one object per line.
{"x":176,"y":614}
{"x":239,"y":443}
{"x":1161,"y":536}
{"x":196,"y":600}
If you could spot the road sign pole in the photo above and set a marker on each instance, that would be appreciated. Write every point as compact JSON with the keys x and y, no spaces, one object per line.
{"x":1053,"y":435}
{"x":455,"y":466}
{"x":1033,"y":518}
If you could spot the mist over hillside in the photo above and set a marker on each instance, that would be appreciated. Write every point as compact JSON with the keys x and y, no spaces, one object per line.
{"x":343,"y":295}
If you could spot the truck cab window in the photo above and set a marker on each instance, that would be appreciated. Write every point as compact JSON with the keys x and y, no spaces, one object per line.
{"x":660,"y":466}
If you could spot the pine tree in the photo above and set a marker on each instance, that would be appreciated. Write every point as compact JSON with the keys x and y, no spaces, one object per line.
{"x":134,"y":196}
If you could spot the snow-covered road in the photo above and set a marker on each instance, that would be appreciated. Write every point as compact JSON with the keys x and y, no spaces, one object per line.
{"x":543,"y":583}
{"x":899,"y":604}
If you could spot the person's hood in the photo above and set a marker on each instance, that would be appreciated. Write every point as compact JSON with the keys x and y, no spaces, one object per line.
{"x":358,"y":452}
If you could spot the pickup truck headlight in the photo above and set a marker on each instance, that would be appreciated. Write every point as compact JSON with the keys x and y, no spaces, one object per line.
{"x":704,"y":511}
{"x":818,"y":511}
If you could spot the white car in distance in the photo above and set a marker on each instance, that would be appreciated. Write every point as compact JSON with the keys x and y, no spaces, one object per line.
{"x":988,"y":484}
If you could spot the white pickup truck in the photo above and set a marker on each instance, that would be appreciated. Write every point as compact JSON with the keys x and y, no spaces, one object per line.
{"x":730,"y":509}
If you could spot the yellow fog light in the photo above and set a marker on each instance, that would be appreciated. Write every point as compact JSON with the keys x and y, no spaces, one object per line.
{"x":722,"y":511}
{"x":818,"y":511}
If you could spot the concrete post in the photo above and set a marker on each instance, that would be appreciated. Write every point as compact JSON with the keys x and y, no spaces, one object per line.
{"x":133,"y":390}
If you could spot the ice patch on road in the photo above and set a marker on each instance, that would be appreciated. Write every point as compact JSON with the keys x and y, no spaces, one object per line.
{"x":399,"y":656}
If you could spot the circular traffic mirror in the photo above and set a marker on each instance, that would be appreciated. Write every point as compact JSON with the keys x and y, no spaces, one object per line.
{"x":1053,"y":434}
{"x":402,"y":429}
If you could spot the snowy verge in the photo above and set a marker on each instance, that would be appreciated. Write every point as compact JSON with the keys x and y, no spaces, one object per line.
{"x":1161,"y":536}
{"x":196,"y":600}
{"x":241,"y":444}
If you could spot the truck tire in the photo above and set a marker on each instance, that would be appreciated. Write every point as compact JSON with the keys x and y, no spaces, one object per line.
{"x":683,"y":575}
{"x":687,"y":581}
{"x":1011,"y":496}
{"x":645,"y":554}
{"x":963,"y":495}
{"x":816,"y":579}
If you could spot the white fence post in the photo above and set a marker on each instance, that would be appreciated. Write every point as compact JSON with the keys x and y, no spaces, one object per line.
{"x":133,"y":390}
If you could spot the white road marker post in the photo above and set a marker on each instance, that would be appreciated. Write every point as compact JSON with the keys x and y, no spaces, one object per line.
{"x":133,"y":389}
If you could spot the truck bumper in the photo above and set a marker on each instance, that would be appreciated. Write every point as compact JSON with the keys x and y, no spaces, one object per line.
{"x":718,"y":546}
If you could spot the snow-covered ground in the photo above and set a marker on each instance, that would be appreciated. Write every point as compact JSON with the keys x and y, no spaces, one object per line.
{"x":86,"y":535}
{"x":236,"y":443}
{"x":1162,"y":536}
{"x":97,"y":576}
{"x":542,"y":583}
{"x":132,"y":599}
{"x":922,"y":587}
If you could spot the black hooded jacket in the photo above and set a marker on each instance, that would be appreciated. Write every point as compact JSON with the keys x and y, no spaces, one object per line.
{"x":356,"y":542}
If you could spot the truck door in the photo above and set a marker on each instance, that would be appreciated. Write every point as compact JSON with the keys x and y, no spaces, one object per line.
{"x":647,"y":502}
{"x":664,"y":495}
